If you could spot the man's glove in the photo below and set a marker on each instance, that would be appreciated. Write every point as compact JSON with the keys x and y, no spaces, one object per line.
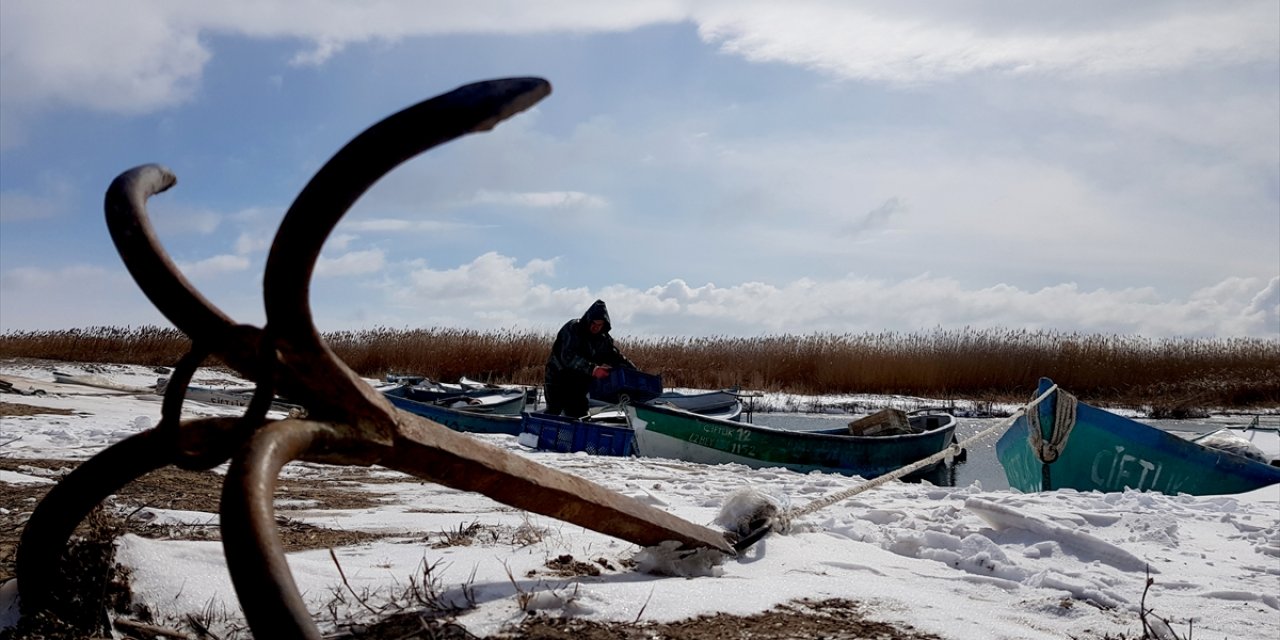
{"x":600,"y":372}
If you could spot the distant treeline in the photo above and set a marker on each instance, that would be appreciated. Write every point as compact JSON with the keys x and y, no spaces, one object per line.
{"x":972,"y":364}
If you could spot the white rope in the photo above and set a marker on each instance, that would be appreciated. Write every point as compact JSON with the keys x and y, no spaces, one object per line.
{"x":783,"y":521}
{"x":1064,"y":420}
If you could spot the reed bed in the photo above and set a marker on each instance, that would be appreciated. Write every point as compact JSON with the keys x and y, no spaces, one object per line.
{"x":973,"y":364}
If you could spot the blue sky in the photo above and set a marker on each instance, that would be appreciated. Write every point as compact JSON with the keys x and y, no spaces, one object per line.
{"x":708,"y":168}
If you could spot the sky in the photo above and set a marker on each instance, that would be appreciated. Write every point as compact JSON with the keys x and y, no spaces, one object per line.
{"x":961,"y":562}
{"x":713,"y":168}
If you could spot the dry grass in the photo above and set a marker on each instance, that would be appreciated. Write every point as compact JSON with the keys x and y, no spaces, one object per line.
{"x":989,"y":364}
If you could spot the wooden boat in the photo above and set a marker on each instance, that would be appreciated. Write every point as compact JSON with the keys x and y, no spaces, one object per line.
{"x":33,"y":387}
{"x":732,"y":412}
{"x":505,"y":404}
{"x":1062,"y":443}
{"x":458,"y":419}
{"x":214,"y":395}
{"x":724,"y":404}
{"x":425,"y":389}
{"x":479,"y":401}
{"x":473,"y":386}
{"x":614,"y":414}
{"x":466,"y":420}
{"x":97,"y":381}
{"x":664,"y":431}
{"x":229,"y":397}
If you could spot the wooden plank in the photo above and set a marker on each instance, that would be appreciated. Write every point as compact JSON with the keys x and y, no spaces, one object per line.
{"x":885,"y":422}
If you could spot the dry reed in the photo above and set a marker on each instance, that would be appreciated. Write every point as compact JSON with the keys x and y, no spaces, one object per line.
{"x":979,"y":364}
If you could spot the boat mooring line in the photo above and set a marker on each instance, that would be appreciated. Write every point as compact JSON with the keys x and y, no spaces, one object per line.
{"x":782,"y":522}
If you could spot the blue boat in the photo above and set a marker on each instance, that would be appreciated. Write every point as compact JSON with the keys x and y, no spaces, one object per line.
{"x":724,"y":405}
{"x":425,"y":389}
{"x":469,"y":421}
{"x":1062,"y":443}
{"x":490,"y":401}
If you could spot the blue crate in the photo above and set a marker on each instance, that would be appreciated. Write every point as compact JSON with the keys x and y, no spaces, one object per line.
{"x":636,"y":386}
{"x":567,"y":435}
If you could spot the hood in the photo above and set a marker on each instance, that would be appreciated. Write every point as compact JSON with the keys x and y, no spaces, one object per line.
{"x":597,"y":311}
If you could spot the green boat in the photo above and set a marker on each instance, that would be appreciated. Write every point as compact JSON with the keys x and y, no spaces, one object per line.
{"x":663,"y":431}
{"x":1061,"y":443}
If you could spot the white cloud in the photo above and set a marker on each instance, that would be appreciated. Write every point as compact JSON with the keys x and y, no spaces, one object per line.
{"x":981,"y":212}
{"x":351,"y":263}
{"x":332,"y":25}
{"x":122,"y":57}
{"x":30,"y":278}
{"x":176,"y":220}
{"x":404,"y":225}
{"x":1134,"y":174}
{"x":324,"y":49}
{"x":974,"y":203}
{"x":490,"y":280}
{"x":1242,"y":124}
{"x":542,"y":200}
{"x":1263,"y":309}
{"x":214,"y":266}
{"x":252,"y":242}
{"x":909,"y":43}
{"x":494,"y":292}
{"x":1267,"y":302}
{"x":861,"y":305}
{"x":141,"y":55}
{"x":340,"y":241}
{"x":53,"y":299}
{"x":148,"y":54}
{"x":53,"y":202}
{"x":255,"y":229}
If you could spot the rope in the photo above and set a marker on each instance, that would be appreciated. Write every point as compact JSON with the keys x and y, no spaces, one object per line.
{"x":1064,"y":420}
{"x":783,"y":520}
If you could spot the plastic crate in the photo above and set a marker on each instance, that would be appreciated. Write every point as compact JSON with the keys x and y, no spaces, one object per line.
{"x":567,"y":435}
{"x":635,"y":386}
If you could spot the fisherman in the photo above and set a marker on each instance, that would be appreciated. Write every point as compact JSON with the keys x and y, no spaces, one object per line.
{"x":583,"y":350}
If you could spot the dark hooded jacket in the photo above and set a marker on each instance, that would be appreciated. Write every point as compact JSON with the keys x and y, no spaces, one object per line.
{"x":577,"y":351}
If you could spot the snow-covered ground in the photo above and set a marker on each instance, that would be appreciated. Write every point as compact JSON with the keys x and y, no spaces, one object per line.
{"x":962,"y":562}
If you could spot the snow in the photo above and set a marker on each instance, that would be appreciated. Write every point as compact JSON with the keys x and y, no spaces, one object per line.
{"x":961,"y":562}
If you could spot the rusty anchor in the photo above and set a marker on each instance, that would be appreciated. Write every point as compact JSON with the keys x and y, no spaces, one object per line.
{"x":348,"y":422}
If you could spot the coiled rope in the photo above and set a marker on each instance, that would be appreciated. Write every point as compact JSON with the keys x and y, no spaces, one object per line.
{"x":1064,"y":420}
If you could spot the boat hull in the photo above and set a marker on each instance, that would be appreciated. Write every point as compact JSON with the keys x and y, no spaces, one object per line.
{"x":664,"y":432}
{"x":1110,"y":453}
{"x":706,"y":402}
{"x":225,"y":396}
{"x":458,"y":420}
{"x":507,"y":403}
{"x":719,"y":404}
